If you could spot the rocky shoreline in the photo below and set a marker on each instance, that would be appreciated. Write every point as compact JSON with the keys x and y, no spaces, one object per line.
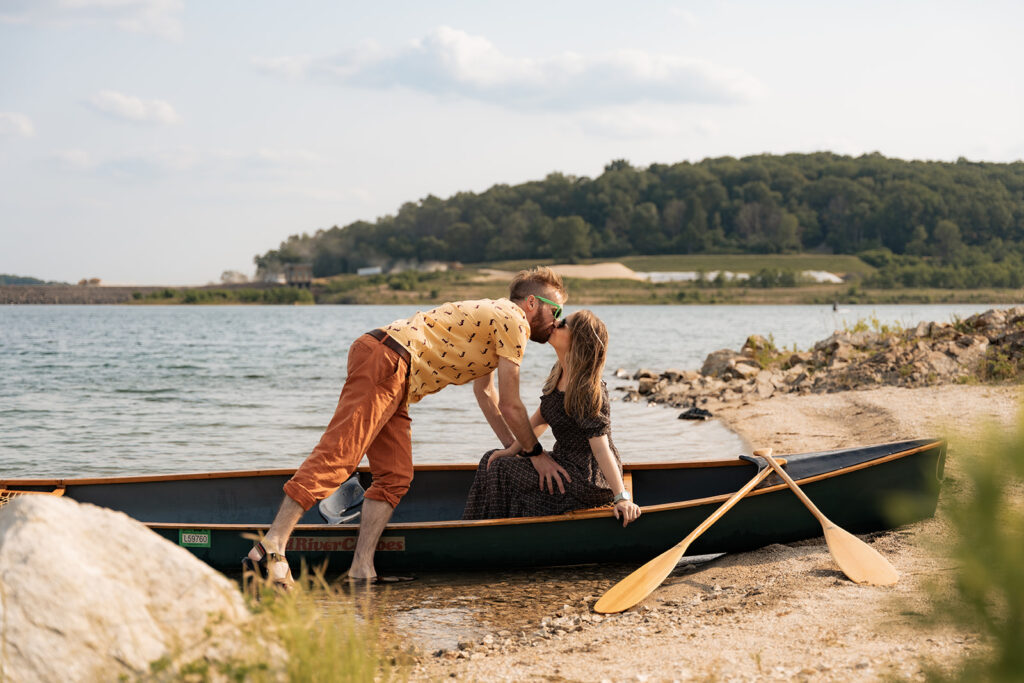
{"x":987,"y":346}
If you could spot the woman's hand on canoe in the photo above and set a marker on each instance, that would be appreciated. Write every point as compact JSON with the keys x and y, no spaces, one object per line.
{"x":627,"y":511}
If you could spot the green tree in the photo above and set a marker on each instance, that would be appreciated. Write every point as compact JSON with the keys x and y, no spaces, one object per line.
{"x":570,"y":239}
{"x":947,"y":240}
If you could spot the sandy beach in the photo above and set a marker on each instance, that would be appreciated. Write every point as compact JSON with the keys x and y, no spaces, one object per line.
{"x":784,"y":612}
{"x":593,"y":271}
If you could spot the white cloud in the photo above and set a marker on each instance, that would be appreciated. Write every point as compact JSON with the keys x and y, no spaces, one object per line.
{"x":134,"y":108}
{"x":151,"y":17}
{"x":132,"y":166}
{"x":336,"y":195}
{"x":162,"y":161}
{"x":687,"y":18}
{"x":449,"y":62}
{"x":13,"y":124}
{"x":74,"y":159}
{"x":628,"y":124}
{"x":292,"y":68}
{"x":637,"y":123}
{"x":270,"y":156}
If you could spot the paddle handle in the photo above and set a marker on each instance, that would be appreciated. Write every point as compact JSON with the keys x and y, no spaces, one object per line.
{"x":766,"y":453}
{"x":724,"y":507}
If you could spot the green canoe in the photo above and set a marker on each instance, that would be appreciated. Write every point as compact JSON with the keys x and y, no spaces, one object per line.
{"x":212,"y":514}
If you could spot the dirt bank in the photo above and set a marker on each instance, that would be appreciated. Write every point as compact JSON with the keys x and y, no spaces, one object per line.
{"x":593,"y":271}
{"x":783,"y":612}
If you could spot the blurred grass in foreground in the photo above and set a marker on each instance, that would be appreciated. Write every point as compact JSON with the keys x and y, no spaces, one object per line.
{"x":987,"y":596}
{"x":317,"y":633}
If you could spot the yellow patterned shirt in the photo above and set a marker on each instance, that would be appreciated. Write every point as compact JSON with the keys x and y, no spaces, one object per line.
{"x":460,"y":341}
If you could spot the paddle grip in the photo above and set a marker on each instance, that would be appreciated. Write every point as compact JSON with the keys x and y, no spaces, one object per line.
{"x":766,"y":453}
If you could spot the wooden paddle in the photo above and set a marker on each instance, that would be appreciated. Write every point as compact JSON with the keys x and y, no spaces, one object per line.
{"x":858,"y":560}
{"x":640,"y":583}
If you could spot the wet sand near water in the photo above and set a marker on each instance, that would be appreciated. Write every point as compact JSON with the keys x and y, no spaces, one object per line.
{"x":437,"y":611}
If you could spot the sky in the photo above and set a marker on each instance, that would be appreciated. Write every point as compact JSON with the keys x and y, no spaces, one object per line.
{"x":165,"y":141}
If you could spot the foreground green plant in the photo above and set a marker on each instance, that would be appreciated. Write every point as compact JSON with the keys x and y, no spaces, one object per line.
{"x":327,"y":634}
{"x":316,"y":633}
{"x":988,"y":596}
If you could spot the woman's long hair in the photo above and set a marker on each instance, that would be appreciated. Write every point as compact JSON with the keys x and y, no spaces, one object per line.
{"x":588,"y":349}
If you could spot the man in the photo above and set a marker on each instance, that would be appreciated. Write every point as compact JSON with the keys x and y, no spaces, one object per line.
{"x":390,"y":368}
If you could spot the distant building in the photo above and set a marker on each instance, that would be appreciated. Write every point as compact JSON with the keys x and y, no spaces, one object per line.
{"x":299,"y":274}
{"x":370,"y":270}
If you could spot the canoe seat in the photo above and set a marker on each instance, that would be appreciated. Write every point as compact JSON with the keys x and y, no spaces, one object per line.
{"x":627,"y":482}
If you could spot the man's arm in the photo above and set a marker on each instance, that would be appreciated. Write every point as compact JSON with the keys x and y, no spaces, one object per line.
{"x":511,"y":406}
{"x":487,"y":399}
{"x":539,"y":425}
{"x":551,"y":473}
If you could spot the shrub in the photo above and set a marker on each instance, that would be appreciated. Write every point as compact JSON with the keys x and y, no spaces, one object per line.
{"x":988,"y":518}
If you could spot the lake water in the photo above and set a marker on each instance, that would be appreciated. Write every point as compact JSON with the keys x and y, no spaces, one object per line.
{"x":105,"y":390}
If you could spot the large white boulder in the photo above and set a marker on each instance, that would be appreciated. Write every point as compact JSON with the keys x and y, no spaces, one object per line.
{"x":88,"y":594}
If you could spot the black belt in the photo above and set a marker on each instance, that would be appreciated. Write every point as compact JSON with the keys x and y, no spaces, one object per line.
{"x":390,"y":342}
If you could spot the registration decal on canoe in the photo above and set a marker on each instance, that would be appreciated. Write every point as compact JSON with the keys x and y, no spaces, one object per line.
{"x":194,"y":538}
{"x":339,"y":544}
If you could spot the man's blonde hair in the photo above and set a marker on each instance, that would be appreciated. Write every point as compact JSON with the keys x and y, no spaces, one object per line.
{"x":535,"y":281}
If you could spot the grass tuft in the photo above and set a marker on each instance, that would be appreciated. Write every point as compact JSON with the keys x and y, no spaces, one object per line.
{"x":316,"y":633}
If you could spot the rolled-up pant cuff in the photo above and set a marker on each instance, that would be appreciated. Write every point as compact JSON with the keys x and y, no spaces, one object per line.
{"x":383,"y":495}
{"x":299,"y":494}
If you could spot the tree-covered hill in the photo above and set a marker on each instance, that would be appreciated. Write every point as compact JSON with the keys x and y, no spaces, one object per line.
{"x":6,"y":279}
{"x":902,"y":216}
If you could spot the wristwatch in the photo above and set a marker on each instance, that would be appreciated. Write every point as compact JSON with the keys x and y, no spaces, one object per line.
{"x":623,"y":495}
{"x":536,"y":450}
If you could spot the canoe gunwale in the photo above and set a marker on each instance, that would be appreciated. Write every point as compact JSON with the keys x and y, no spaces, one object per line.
{"x":434,"y":467}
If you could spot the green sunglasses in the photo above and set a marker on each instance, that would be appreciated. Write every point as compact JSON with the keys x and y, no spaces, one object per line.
{"x":558,"y":307}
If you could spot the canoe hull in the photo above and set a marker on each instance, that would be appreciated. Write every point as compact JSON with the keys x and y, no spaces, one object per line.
{"x":861,"y":490}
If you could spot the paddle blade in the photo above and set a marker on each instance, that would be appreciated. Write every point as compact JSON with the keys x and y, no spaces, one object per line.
{"x":640,"y":583}
{"x":859,"y":561}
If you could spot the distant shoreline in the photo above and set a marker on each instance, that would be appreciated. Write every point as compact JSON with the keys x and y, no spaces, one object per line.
{"x":702,"y":280}
{"x":123,"y":294}
{"x":581,"y":292}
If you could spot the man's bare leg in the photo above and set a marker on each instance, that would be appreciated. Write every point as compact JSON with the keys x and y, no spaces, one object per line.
{"x":288,"y":515}
{"x":274,"y":543}
{"x":374,"y":518}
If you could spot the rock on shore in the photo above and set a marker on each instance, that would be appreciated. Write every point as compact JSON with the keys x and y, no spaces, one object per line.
{"x":986,"y":346}
{"x":88,"y":594}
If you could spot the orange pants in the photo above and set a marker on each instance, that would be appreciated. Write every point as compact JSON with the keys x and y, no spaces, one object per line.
{"x":371,"y":418}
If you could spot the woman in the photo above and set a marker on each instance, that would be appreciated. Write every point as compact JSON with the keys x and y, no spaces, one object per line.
{"x":575,"y":404}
